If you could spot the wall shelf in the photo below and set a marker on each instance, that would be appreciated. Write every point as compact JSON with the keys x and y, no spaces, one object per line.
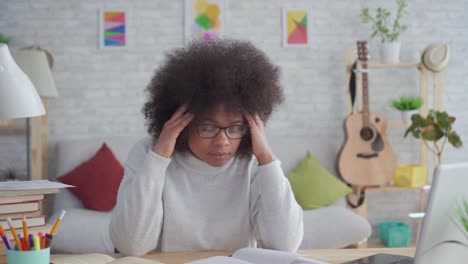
{"x":396,"y":65}
{"x":424,"y":75}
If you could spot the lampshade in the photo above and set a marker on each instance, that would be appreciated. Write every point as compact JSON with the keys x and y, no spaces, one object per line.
{"x":34,"y":63}
{"x":18,"y":97}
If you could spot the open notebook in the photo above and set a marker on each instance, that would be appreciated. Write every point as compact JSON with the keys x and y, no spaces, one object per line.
{"x":241,"y":256}
{"x":258,"y":256}
{"x":97,"y":259}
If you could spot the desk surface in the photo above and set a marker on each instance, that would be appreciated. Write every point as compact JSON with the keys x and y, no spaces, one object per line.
{"x":326,"y":255}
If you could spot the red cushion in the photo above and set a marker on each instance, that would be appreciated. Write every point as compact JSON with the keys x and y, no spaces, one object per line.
{"x":97,"y":180}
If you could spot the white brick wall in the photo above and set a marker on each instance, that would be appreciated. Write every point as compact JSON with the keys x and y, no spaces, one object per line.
{"x":101,"y":92}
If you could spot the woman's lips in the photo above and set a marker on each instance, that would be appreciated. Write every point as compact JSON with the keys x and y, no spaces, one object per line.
{"x":219,"y":155}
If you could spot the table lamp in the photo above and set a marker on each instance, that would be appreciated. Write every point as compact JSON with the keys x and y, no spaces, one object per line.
{"x":37,"y":62}
{"x":18,"y":96}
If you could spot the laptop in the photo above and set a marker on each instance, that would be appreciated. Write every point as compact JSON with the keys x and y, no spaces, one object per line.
{"x":443,"y":238}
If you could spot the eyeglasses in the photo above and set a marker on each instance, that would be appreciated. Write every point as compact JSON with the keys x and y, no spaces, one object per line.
{"x":212,"y":131}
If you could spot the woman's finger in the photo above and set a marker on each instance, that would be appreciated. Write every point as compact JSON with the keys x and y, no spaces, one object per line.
{"x":250,"y":120}
{"x":175,"y":123}
{"x":258,"y":120}
{"x":179,"y":112}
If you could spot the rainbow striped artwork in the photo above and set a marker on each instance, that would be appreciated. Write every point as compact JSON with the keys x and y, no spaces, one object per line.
{"x":296,"y":28}
{"x":204,"y":19}
{"x":113,"y":31}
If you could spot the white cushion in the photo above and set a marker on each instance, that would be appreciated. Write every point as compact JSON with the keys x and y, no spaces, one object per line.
{"x":333,"y":227}
{"x":82,"y":231}
{"x":71,"y":153}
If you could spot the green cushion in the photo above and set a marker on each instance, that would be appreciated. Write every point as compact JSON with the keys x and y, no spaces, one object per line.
{"x":313,"y":185}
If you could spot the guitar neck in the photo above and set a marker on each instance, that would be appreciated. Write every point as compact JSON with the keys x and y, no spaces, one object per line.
{"x":362,"y":56}
{"x":365,"y":95}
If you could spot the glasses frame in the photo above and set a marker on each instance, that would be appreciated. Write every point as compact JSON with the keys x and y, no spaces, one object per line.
{"x":245,"y":129}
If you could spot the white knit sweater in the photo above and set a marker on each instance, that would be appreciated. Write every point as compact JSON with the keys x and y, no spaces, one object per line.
{"x":184,"y":204}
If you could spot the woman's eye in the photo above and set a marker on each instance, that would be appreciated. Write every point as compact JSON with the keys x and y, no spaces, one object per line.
{"x":208,"y":128}
{"x":236,"y":128}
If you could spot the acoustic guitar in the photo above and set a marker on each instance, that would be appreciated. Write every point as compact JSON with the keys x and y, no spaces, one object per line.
{"x":366,"y":158}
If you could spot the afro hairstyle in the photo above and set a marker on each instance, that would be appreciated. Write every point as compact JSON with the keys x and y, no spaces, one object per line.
{"x":205,"y":74}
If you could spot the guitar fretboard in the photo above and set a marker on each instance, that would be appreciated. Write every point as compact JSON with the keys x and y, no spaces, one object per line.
{"x":362,"y":56}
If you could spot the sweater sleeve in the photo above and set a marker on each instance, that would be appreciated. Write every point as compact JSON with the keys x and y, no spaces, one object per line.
{"x":275,"y":215}
{"x":136,"y":220}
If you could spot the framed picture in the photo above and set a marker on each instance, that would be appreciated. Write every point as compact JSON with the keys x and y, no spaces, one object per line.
{"x":296,"y":27}
{"x":204,"y":19}
{"x":113,"y":29}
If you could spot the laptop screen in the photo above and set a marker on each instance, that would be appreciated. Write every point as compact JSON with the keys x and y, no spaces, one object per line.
{"x":443,"y":238}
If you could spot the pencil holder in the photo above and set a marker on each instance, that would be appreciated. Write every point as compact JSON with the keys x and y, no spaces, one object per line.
{"x":29,"y":257}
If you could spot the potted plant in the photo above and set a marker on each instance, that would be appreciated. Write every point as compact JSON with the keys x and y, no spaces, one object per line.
{"x":437,"y":125}
{"x":408,"y":105}
{"x":388,"y":28}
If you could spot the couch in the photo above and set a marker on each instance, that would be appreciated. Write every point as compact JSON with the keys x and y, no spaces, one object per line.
{"x":84,"y":231}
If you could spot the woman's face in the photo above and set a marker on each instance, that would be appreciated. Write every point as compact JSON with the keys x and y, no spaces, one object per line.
{"x":216,"y":149}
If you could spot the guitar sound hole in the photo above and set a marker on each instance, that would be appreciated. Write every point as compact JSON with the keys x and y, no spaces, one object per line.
{"x":367,"y":133}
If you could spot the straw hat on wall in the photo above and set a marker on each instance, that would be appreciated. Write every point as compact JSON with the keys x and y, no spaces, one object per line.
{"x":436,"y":57}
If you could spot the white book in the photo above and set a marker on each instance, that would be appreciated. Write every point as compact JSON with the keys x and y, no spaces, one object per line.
{"x":259,"y":256}
{"x":18,"y":208}
{"x":21,"y":198}
{"x":16,"y":188}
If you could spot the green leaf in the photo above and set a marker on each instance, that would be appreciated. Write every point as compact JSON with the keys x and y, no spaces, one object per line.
{"x":452,"y":119}
{"x":431,"y":133}
{"x":416,"y":103}
{"x":455,"y":140}
{"x":418,"y":120}
{"x":442,"y":120}
{"x":461,"y":212}
{"x":416,"y":133}
{"x":411,"y":129}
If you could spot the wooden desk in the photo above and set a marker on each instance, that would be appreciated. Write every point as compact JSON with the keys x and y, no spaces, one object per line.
{"x":334,"y":256}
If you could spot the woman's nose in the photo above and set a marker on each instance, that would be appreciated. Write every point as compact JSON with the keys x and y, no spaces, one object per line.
{"x":221,"y":138}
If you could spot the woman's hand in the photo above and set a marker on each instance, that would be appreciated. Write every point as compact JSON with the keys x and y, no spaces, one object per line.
{"x":260,"y":147}
{"x":165,"y":144}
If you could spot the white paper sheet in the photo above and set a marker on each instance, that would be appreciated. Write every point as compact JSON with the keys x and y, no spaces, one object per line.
{"x":31,"y":185}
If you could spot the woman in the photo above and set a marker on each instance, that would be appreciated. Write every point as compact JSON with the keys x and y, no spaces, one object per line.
{"x":207,"y":178}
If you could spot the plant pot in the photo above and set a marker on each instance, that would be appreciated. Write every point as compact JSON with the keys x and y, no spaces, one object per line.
{"x":390,"y":52}
{"x":406,"y":116}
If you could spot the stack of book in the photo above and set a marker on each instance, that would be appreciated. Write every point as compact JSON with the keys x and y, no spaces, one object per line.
{"x":19,"y":200}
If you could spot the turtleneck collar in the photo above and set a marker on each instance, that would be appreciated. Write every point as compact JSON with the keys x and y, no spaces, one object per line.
{"x":191,"y":162}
